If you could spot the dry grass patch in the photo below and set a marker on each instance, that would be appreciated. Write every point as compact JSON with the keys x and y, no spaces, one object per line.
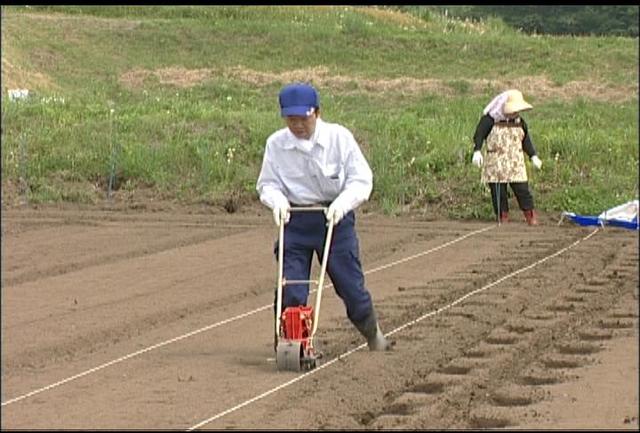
{"x":536,"y":86}
{"x":174,"y":76}
{"x":16,"y":77}
{"x":391,"y":16}
{"x":88,"y":21}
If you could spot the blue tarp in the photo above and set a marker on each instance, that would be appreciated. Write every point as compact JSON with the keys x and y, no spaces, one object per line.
{"x":625,"y":215}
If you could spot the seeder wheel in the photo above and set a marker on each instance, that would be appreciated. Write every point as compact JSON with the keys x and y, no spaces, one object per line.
{"x":289,"y":355}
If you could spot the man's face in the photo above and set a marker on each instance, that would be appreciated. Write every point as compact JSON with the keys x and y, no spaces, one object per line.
{"x":302,"y":127}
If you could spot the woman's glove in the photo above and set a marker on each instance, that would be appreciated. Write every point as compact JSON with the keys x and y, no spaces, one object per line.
{"x":477,"y":158}
{"x":536,"y":162}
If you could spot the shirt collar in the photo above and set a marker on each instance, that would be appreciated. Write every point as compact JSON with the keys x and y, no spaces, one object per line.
{"x":320,"y":136}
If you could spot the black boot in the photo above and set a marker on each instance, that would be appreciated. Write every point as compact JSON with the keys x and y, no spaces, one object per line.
{"x":370,"y":329}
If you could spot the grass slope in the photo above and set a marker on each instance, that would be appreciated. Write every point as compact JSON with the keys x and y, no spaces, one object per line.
{"x":179,"y":101}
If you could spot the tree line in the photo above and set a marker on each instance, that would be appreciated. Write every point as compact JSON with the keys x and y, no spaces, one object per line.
{"x":601,"y":20}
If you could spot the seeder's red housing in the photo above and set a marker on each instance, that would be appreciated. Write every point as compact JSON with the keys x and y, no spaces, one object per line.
{"x":296,"y":325}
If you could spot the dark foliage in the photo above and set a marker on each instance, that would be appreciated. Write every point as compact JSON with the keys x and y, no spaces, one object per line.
{"x":601,"y":20}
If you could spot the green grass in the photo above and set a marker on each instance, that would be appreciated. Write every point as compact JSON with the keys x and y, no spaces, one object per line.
{"x":90,"y":125}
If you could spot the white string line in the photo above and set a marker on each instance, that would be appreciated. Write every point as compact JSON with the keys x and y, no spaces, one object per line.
{"x":488,"y":286}
{"x":215,"y":325}
{"x":131,"y":355}
{"x":277,"y":388}
{"x":344,"y":355}
{"x":415,"y":256}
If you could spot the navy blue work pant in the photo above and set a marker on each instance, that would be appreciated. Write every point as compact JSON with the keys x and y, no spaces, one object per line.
{"x":304,"y":235}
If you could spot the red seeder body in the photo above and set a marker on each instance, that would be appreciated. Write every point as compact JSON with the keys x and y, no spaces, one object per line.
{"x":296,"y":325}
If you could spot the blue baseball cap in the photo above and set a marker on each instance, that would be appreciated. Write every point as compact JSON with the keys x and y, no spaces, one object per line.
{"x":298,"y":100}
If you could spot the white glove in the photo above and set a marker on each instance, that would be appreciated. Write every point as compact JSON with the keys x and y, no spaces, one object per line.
{"x":335,"y":212}
{"x":281,"y":213}
{"x":477,"y":158}
{"x":536,"y":162}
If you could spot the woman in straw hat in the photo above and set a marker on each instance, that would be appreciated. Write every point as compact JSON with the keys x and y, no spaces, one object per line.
{"x":507,"y":138}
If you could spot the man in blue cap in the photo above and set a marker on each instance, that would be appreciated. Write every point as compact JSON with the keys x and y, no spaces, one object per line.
{"x":315,"y":163}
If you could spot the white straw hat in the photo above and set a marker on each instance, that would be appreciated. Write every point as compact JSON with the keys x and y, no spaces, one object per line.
{"x":515,"y":103}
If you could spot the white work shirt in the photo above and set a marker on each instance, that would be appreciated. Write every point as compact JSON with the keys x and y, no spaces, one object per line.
{"x":330,"y":166}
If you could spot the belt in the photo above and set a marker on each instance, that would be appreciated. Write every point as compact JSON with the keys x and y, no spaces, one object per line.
{"x":321,"y":204}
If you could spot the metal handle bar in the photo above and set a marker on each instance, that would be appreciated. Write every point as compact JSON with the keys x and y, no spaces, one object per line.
{"x":307,"y":208}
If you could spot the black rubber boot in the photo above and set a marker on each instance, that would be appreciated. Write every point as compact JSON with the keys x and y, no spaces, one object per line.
{"x":370,"y":329}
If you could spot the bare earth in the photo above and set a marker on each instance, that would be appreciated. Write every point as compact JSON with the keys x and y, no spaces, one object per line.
{"x":116,"y":319}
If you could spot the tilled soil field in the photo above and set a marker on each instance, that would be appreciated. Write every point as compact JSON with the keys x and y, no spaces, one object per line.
{"x":163,"y":320}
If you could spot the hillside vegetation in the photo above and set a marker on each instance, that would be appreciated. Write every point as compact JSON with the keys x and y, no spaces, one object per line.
{"x":176,"y":103}
{"x":586,"y":20}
